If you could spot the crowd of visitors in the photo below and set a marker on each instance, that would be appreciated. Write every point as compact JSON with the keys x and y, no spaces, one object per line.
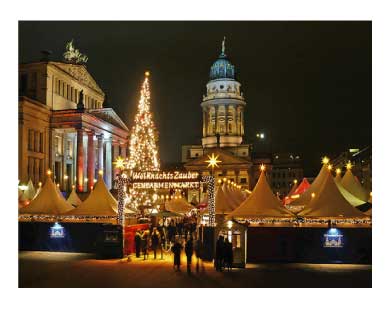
{"x":178,"y":237}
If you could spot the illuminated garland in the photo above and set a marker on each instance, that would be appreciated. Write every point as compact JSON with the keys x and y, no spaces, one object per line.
{"x":211,"y":199}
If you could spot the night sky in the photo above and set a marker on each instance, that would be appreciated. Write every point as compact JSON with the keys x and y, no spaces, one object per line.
{"x":308,"y":84}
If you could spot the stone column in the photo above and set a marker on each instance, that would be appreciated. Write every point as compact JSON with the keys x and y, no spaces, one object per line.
{"x":116,"y":150}
{"x":124,"y":150}
{"x":227,"y":119}
{"x":237,"y":120}
{"x":108,"y":163}
{"x":100,"y":147}
{"x":216,"y":116}
{"x":116,"y":153}
{"x":91,"y":162}
{"x":204,"y":122}
{"x":80,"y":161}
{"x":242,"y":121}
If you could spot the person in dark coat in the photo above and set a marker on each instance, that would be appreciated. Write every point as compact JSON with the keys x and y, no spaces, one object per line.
{"x":220,"y":245}
{"x":137,"y":243}
{"x":197,"y":249}
{"x":228,"y":254}
{"x":144,"y":244}
{"x":189,"y":253}
{"x":155,"y":239}
{"x":176,"y":249}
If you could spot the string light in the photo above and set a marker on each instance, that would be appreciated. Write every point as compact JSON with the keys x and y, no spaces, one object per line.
{"x":338,"y":171}
{"x":143,"y":152}
{"x":262,"y":167}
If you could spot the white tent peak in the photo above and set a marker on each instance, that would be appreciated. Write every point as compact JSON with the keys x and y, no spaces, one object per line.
{"x":48,"y":202}
{"x":330,"y":203}
{"x":100,"y":202}
{"x":30,"y":192}
{"x":316,"y":185}
{"x":74,"y":199}
{"x":350,"y":183}
{"x":261,"y":203}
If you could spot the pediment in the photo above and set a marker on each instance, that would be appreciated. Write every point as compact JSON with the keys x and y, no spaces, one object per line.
{"x":109,"y":115}
{"x":80,"y":73}
{"x":226,"y":158}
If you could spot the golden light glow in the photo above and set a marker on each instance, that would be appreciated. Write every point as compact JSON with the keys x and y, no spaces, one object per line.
{"x":100,"y":172}
{"x":224,"y":179}
{"x":219,"y":180}
{"x":40,"y":184}
{"x":49,"y":172}
{"x":325,"y":160}
{"x":147,"y":73}
{"x":338,"y":171}
{"x":295,"y":181}
{"x":349,"y":165}
{"x":262,"y":167}
{"x":65,"y":177}
{"x":370,"y":193}
{"x":73,"y":186}
{"x":330,"y":167}
{"x":229,"y":224}
{"x":213,"y":161}
{"x":313,"y":195}
{"x":119,"y":163}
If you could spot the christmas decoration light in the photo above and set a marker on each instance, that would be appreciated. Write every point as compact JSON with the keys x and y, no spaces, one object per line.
{"x":213,"y":161}
{"x":325,"y":160}
{"x":349,"y":165}
{"x":338,"y":171}
{"x":143,"y":152}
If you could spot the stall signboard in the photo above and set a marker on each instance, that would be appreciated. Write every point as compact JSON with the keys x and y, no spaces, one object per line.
{"x":333,"y":238}
{"x":57,"y":231}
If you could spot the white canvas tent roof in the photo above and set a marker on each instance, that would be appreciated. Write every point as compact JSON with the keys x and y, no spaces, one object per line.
{"x":224,"y":204}
{"x":73,"y":198}
{"x":305,"y":198}
{"x":179,"y":205}
{"x":350,"y":183}
{"x":100,"y":202}
{"x":261,"y":203}
{"x":330,"y":203}
{"x":354,"y":201}
{"x":48,"y":202}
{"x":30,"y":192}
{"x":368,"y":212}
{"x":236,"y":200}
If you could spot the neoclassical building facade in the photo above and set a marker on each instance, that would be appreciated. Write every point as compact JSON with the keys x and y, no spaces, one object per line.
{"x":64,"y":127}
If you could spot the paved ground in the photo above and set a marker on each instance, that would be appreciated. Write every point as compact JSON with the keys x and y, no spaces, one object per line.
{"x":54,"y":269}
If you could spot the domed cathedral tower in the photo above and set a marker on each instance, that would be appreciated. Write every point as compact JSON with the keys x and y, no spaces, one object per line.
{"x":223,"y":106}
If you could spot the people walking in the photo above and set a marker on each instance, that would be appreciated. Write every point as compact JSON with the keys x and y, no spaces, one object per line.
{"x":189,"y":253}
{"x":228,"y":254}
{"x":176,"y":249}
{"x":137,"y":243}
{"x":220,"y":246}
{"x":155,"y":239}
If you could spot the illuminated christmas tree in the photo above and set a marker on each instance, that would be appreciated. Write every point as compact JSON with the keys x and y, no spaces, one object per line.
{"x":143,"y":152}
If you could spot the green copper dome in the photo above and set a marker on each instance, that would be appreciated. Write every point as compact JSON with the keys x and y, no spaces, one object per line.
{"x":222,"y":68}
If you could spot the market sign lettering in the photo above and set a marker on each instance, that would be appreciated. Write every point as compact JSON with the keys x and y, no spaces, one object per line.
{"x":165,"y":176}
